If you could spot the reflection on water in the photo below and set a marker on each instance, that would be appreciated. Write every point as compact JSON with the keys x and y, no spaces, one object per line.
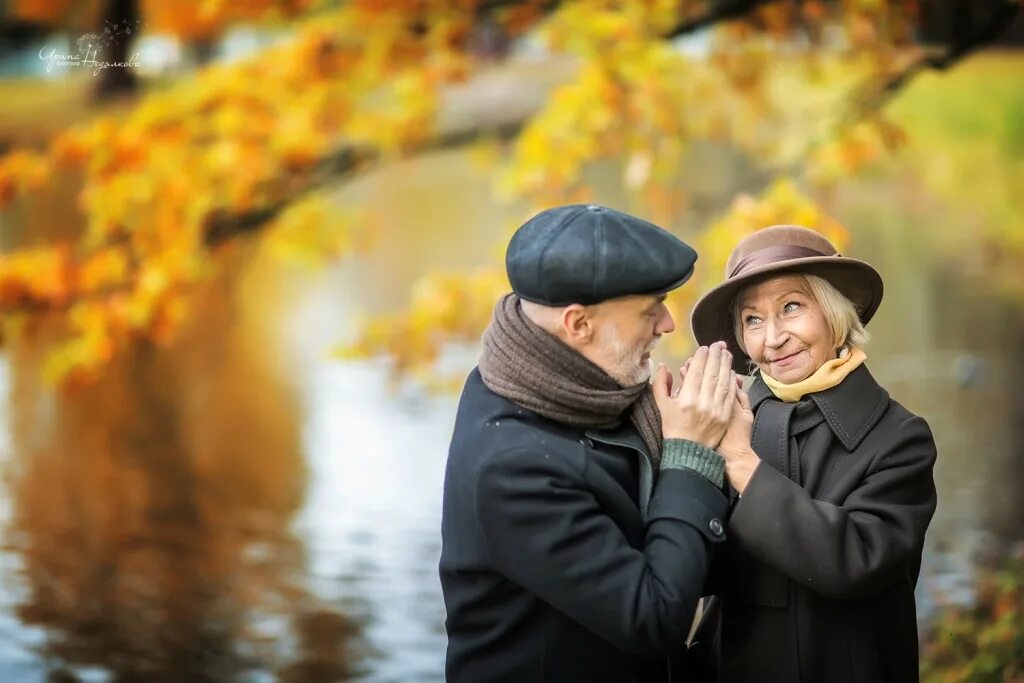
{"x":120,"y":569}
{"x":148,"y":523}
{"x":208,"y":513}
{"x":372,"y":518}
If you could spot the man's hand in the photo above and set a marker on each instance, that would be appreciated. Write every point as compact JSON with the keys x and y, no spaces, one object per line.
{"x":740,"y":458}
{"x":701,"y":407}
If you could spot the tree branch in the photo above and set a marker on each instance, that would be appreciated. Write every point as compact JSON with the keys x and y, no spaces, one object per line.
{"x":969,"y":37}
{"x":721,"y":11}
{"x":338,"y":166}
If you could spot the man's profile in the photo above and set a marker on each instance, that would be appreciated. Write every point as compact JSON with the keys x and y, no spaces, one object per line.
{"x":582,"y":503}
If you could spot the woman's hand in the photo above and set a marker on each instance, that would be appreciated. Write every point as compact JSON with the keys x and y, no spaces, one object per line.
{"x":700,"y":408}
{"x":740,"y":458}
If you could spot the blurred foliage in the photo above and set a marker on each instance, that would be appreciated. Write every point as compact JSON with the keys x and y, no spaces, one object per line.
{"x":189,"y":19}
{"x":356,"y":84}
{"x":247,"y":133}
{"x":983,"y":642}
{"x":313,"y":233}
{"x":446,"y":308}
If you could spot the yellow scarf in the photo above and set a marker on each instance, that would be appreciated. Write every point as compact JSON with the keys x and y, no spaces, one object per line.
{"x":827,"y":376}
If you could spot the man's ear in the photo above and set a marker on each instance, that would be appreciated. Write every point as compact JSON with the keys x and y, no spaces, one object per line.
{"x":578,"y":323}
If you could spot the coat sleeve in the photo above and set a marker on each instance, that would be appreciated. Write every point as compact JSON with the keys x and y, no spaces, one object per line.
{"x":847,"y":551}
{"x":545,"y":531}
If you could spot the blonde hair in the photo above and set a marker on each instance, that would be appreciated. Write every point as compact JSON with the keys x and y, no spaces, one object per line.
{"x":841,"y":315}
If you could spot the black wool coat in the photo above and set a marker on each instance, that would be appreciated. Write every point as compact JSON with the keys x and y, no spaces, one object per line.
{"x":560,"y":560}
{"x":817,"y":581}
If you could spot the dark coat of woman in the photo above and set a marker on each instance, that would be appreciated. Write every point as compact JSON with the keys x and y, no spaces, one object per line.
{"x":824,"y":550}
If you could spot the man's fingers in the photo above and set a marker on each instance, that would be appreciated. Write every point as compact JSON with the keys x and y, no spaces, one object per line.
{"x":709,"y":381}
{"x":694,"y":372}
{"x":726,"y":385}
{"x":682,"y":379}
{"x":729,"y":399}
{"x":662,"y":384}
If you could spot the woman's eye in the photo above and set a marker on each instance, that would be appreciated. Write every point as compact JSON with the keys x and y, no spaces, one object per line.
{"x":791,"y":306}
{"x":751,"y":320}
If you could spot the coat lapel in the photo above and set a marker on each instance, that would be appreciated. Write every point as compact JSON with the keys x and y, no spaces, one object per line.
{"x":770,"y":437}
{"x":851,"y":408}
{"x":626,"y":437}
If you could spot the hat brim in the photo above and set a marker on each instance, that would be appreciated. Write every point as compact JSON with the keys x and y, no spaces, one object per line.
{"x":711,"y":319}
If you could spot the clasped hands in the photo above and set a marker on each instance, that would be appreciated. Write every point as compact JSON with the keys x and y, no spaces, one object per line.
{"x":707,"y":405}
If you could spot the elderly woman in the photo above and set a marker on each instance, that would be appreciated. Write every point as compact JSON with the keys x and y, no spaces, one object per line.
{"x":833,"y":478}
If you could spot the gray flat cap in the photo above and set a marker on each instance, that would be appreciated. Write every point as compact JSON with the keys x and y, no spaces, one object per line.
{"x":585,"y":254}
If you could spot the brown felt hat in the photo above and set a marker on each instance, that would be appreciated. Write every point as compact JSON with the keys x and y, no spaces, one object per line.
{"x":781,"y":249}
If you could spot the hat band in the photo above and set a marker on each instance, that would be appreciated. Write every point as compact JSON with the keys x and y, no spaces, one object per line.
{"x":769,"y":255}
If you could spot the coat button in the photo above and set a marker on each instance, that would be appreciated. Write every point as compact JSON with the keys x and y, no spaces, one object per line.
{"x":716,"y":527}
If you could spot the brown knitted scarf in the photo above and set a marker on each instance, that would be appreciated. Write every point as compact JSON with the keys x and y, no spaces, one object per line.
{"x":537,"y":371}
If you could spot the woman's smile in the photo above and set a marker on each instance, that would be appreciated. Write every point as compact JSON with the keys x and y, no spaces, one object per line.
{"x":786,"y":361}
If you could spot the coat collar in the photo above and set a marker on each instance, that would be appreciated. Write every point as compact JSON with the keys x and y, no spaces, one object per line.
{"x":625,"y":435}
{"x":851,"y":408}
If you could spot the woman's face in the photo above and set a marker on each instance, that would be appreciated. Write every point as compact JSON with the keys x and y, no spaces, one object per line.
{"x":784,"y":330}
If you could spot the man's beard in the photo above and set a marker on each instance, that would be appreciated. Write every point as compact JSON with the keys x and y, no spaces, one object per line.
{"x":627,"y":368}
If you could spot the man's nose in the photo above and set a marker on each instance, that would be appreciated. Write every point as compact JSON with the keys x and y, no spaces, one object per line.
{"x":665,"y":323}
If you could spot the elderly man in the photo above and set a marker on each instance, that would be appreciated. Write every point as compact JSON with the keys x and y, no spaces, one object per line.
{"x":582,"y":503}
